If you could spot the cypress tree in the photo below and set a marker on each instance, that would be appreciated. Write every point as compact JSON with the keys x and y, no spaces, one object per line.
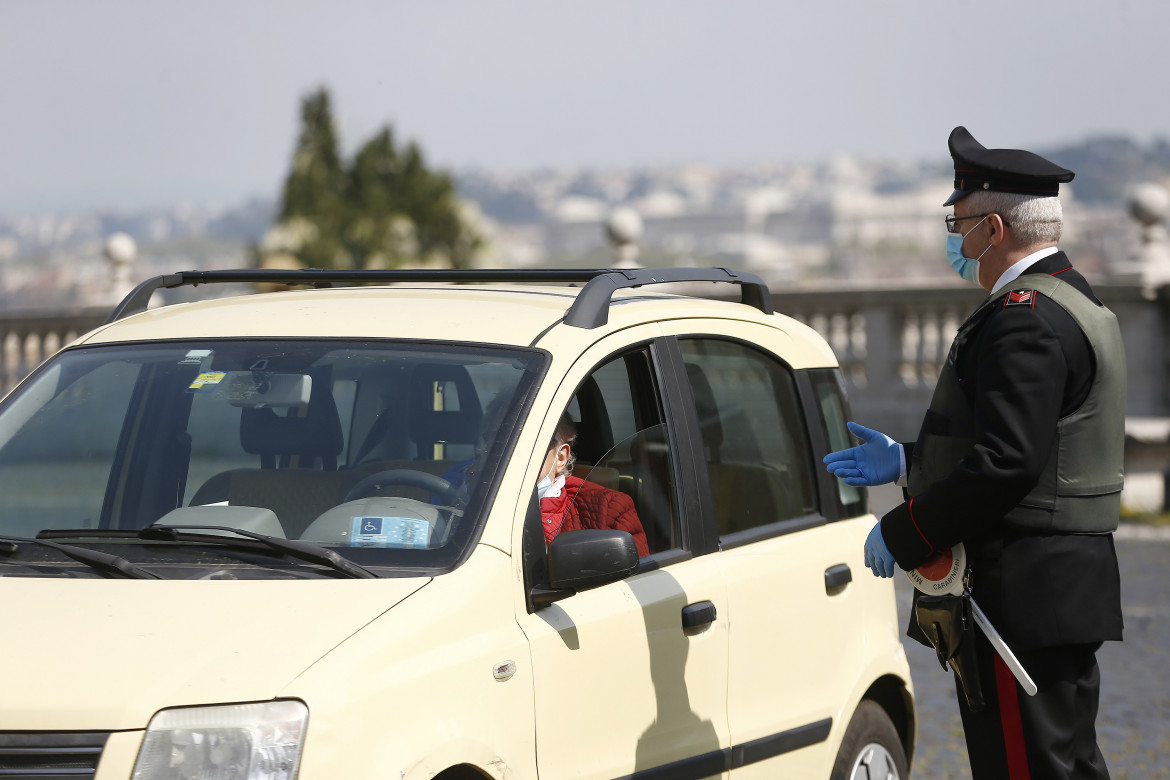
{"x":385,"y":210}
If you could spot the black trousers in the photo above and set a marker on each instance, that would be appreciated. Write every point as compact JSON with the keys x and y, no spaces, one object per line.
{"x":1049,"y":736}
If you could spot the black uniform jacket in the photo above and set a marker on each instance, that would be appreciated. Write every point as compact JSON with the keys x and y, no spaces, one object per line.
{"x":1022,"y":369}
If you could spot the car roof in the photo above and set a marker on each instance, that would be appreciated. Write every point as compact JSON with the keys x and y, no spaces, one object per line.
{"x":512,"y":313}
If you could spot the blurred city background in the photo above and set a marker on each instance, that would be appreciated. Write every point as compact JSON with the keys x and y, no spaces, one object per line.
{"x":805,"y":144}
{"x":843,"y":221}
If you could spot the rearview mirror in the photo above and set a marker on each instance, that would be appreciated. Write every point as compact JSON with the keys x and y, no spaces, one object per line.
{"x":261,"y":389}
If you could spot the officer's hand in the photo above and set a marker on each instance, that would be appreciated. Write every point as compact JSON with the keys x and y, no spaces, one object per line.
{"x":877,"y":557}
{"x":876,"y":462}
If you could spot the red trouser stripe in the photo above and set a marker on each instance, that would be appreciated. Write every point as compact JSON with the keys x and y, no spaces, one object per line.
{"x":1009,"y":717}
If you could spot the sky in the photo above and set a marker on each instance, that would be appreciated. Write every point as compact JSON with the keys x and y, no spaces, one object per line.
{"x":132,"y":104}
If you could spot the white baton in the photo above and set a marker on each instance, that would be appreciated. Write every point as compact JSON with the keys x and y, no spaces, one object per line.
{"x":1004,"y":651}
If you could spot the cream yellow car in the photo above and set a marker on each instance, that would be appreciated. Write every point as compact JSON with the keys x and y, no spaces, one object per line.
{"x":298,"y":534}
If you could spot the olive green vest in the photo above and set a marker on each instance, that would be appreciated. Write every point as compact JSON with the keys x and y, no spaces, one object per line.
{"x":1079,"y":490}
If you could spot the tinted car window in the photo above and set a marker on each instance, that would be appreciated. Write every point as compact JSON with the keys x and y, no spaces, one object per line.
{"x":754,"y":441}
{"x":833,"y":413}
{"x":58,"y":440}
{"x":622,"y":443}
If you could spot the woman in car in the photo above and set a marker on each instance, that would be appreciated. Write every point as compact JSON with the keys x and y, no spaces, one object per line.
{"x":569,"y":503}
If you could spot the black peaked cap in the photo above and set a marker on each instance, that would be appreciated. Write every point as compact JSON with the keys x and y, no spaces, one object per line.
{"x":1001,"y":170}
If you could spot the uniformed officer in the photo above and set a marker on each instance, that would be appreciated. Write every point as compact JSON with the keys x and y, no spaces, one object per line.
{"x":1020,"y":458}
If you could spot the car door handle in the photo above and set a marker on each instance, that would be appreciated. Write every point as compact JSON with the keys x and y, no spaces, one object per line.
{"x":698,"y":614}
{"x":837,"y":577}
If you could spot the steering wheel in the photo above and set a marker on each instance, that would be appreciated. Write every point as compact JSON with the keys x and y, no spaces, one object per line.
{"x":446,"y":492}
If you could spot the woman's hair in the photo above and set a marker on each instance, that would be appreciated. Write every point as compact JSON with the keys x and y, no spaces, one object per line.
{"x":566,"y":433}
{"x":1033,"y":220}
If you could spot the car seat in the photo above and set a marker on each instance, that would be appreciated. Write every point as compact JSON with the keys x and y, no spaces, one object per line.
{"x":297,"y":477}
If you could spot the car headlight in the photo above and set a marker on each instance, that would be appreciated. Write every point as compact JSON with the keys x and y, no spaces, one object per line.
{"x":238,"y":741}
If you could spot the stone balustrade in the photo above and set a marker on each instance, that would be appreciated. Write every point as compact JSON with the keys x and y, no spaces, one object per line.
{"x":891,"y":342}
{"x":27,"y":338}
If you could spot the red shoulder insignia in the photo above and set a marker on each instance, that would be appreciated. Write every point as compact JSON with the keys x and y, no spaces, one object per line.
{"x":1020,"y":298}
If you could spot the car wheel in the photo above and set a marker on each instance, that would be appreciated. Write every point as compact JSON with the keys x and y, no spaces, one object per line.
{"x":871,"y":749}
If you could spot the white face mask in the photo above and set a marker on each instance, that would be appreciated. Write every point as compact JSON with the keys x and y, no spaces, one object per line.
{"x":549,"y":487}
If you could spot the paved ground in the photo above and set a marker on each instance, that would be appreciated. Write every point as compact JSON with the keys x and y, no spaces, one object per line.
{"x":1134,"y":721}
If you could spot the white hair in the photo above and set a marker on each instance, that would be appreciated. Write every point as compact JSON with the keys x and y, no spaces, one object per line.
{"x":1032,"y":220}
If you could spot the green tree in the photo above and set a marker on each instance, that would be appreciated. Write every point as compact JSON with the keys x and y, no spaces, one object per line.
{"x":379,"y":235}
{"x":430,"y":201}
{"x":385,"y":210}
{"x":313,"y":209}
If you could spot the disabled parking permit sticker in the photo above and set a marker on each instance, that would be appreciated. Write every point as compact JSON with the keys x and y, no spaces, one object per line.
{"x":405,"y":532}
{"x":207,"y":381}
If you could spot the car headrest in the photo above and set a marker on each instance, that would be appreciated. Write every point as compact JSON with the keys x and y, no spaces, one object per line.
{"x":308,"y":433}
{"x":708,"y":410}
{"x":594,"y":432}
{"x":457,"y":421}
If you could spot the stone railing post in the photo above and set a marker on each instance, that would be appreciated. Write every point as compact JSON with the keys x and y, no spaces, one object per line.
{"x":1148,"y":205}
{"x":623,"y":229}
{"x":883,"y":349}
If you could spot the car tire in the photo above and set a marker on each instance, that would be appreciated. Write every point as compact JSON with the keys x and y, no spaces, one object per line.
{"x":871,"y":749}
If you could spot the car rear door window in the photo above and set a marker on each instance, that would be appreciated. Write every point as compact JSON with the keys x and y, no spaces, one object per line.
{"x":754,"y":440}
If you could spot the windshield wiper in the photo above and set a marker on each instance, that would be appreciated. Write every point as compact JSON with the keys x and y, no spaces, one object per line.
{"x":103,"y":562}
{"x":294,"y":548}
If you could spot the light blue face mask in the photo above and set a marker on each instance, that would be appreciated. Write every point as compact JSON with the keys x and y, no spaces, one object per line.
{"x":964,"y":266}
{"x":549,"y":487}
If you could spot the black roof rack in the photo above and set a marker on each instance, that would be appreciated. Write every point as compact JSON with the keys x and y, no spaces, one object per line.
{"x":589,"y":310}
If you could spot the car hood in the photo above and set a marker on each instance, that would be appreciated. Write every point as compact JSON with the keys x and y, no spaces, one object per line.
{"x":107,"y":654}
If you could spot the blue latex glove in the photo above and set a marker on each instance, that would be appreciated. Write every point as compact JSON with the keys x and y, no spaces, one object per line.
{"x":877,"y":556}
{"x":876,"y":462}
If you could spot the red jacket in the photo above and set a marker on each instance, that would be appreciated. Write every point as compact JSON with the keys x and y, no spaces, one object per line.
{"x":584,"y":504}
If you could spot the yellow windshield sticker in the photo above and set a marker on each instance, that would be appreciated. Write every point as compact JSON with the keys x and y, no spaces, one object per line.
{"x":207,"y":381}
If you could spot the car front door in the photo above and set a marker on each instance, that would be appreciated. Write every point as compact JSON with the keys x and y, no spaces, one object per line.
{"x":630,"y":677}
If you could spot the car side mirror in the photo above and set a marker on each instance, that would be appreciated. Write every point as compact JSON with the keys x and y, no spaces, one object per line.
{"x":578,"y":560}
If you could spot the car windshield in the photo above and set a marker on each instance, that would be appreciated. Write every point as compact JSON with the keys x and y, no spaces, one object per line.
{"x":384,"y":452}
